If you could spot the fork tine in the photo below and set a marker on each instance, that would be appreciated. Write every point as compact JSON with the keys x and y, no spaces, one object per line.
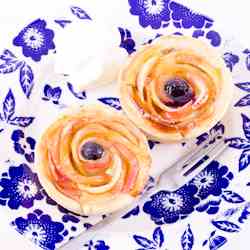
{"x":205,"y":157}
{"x":179,"y":179}
{"x":186,"y":160}
{"x":202,"y":152}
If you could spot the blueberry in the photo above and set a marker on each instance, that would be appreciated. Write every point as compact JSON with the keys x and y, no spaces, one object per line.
{"x":92,"y":151}
{"x":178,"y":91}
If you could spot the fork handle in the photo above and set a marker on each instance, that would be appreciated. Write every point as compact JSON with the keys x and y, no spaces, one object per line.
{"x":186,"y":176}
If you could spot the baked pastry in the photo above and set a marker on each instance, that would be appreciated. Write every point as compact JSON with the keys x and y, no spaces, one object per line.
{"x":93,"y":160}
{"x":175,"y":88}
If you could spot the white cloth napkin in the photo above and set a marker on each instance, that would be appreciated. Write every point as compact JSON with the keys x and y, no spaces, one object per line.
{"x":88,"y":52}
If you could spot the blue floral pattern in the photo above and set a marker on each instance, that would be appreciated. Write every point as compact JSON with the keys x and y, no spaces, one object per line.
{"x":97,"y":245}
{"x":11,"y":64}
{"x":151,"y":12}
{"x":226,"y":226}
{"x":8,"y":113}
{"x":157,"y":13}
{"x":113,"y":102}
{"x":26,"y":79}
{"x":212,"y":36}
{"x":242,"y":144}
{"x":210,"y":206}
{"x":215,"y":241}
{"x":62,"y":22}
{"x":127,"y":42}
{"x":232,"y":197}
{"x":231,"y":60}
{"x":35,"y":39}
{"x":146,"y":244}
{"x":244,"y":101}
{"x":20,"y":187}
{"x":207,"y":193}
{"x":187,"y":239}
{"x":214,"y":134}
{"x":40,"y":229}
{"x":79,"y":12}
{"x":169,"y":207}
{"x":52,"y":94}
{"x":247,"y":52}
{"x":134,"y":212}
{"x":212,"y":180}
{"x":24,"y":146}
{"x":185,"y":18}
{"x":79,"y":95}
{"x":245,"y":213}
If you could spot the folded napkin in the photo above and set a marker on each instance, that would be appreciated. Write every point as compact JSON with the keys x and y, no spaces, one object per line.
{"x":88,"y":53}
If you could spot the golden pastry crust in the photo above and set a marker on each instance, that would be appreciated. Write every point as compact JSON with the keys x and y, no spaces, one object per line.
{"x":91,"y":187}
{"x":142,"y":79}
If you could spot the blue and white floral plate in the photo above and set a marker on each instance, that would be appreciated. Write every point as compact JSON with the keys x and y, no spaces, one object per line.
{"x":32,"y":95}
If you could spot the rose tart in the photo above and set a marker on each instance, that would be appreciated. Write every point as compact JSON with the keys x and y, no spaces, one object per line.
{"x":93,"y":160}
{"x":175,"y":88}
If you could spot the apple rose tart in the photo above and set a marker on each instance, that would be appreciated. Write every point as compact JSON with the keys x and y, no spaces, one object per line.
{"x":93,"y":160}
{"x":175,"y":88}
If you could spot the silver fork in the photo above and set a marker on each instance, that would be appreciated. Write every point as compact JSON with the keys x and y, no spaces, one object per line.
{"x":180,"y":173}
